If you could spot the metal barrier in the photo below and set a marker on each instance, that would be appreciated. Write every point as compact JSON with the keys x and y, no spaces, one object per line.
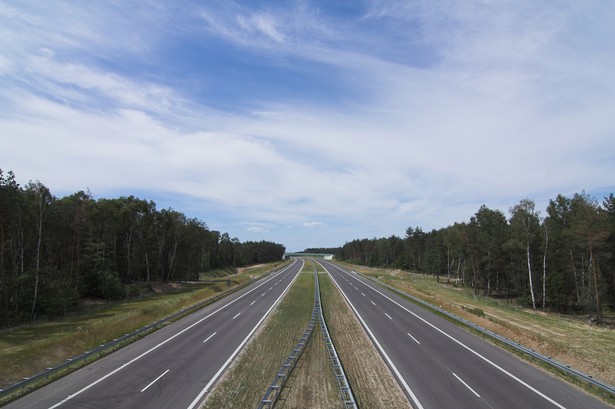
{"x":72,"y":364}
{"x":340,"y":375}
{"x":515,"y":345}
{"x":275,"y":389}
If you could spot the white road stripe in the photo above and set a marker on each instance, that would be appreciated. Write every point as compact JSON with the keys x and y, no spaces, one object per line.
{"x":209,"y":337}
{"x":236,"y":315}
{"x":85,"y":388}
{"x":415,"y":340}
{"x":252,"y":303}
{"x":372,"y":302}
{"x":155,"y":380}
{"x":388,"y":316}
{"x":415,"y":400}
{"x":504,"y":371}
{"x":465,"y":384}
{"x":230,"y":359}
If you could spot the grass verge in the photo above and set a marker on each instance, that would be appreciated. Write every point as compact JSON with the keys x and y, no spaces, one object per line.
{"x":246,"y":381}
{"x":371,"y":381}
{"x":566,"y":338}
{"x":27,"y":350}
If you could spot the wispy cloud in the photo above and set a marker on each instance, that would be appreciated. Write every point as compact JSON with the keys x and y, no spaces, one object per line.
{"x":362,"y":123}
{"x":311,"y":225}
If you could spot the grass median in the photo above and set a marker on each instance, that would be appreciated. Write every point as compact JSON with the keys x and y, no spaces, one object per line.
{"x":371,"y":381}
{"x":246,"y":381}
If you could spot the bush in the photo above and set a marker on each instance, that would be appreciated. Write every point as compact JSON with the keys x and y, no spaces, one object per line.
{"x":104,"y":284}
{"x":56,"y":298}
{"x":477,"y":311}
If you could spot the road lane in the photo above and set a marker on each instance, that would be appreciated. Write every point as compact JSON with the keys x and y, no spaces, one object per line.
{"x":173,"y":367}
{"x":442,"y":365}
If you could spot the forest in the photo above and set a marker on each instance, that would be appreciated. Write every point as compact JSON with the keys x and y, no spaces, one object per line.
{"x":563,"y":262}
{"x":56,"y":252}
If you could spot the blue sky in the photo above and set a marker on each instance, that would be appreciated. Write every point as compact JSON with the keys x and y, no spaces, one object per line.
{"x":311,"y":123}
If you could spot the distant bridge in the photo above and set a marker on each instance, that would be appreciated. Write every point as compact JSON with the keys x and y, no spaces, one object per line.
{"x":316,"y":255}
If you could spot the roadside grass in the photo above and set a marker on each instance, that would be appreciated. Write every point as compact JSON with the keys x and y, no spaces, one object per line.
{"x":245,"y":382}
{"x":372,"y":383}
{"x":568,"y":339}
{"x":29,"y":349}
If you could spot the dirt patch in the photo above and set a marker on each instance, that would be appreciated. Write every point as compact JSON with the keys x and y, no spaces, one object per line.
{"x":242,"y":270}
{"x":163,"y":288}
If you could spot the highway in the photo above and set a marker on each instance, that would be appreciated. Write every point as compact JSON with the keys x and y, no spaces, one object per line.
{"x":441,"y":365}
{"x":174,"y":367}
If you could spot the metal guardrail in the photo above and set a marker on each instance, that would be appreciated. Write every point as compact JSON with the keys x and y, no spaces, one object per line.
{"x":30,"y":383}
{"x":275,"y":389}
{"x":340,"y":375}
{"x":515,"y":345}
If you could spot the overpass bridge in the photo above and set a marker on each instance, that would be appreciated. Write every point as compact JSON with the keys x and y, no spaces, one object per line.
{"x":315,"y":255}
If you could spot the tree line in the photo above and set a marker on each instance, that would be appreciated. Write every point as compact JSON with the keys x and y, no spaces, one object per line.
{"x":564,"y":261}
{"x":54,"y":252}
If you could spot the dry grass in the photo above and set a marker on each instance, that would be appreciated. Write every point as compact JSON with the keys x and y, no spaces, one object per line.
{"x":27,"y":350}
{"x":246,"y":381}
{"x":312,"y":383}
{"x":371,"y":381}
{"x":568,"y":339}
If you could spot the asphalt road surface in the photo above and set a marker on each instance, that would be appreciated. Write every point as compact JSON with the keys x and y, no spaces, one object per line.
{"x":440,"y":365}
{"x":174,"y":367}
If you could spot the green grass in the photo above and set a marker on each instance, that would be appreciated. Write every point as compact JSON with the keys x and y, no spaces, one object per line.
{"x":249,"y":377}
{"x":569,"y":339}
{"x":372,"y":383}
{"x":29,"y":349}
{"x":312,"y":383}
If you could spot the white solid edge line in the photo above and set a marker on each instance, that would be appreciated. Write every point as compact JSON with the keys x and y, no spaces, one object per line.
{"x":530,"y":387}
{"x":155,"y":380}
{"x":382,"y":351}
{"x":230,"y":359}
{"x":85,"y":388}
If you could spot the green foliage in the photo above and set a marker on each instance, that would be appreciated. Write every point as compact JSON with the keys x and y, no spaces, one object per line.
{"x":104,"y":284}
{"x":571,"y":253}
{"x":56,"y":251}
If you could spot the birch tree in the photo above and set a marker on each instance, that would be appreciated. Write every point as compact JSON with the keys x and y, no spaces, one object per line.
{"x":525,"y":223}
{"x":39,"y":198}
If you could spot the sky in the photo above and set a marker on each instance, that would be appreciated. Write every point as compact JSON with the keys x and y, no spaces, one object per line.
{"x":311,"y":123}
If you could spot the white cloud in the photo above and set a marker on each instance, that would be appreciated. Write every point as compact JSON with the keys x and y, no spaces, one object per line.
{"x":311,"y":225}
{"x":257,"y":229}
{"x":510,"y":104}
{"x":263,"y":24}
